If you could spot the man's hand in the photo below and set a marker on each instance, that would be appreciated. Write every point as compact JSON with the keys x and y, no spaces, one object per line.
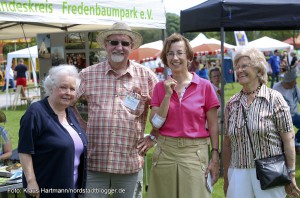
{"x":144,"y":145}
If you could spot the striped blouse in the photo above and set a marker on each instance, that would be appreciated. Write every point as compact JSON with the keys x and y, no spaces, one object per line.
{"x":268,"y":116}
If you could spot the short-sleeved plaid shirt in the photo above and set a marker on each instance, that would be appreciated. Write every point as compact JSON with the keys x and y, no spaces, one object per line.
{"x":113,"y":129}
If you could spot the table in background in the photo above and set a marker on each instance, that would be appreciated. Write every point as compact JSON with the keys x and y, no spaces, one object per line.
{"x":16,"y":188}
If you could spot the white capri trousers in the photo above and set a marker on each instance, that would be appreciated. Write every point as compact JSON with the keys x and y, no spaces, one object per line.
{"x":244,"y":184}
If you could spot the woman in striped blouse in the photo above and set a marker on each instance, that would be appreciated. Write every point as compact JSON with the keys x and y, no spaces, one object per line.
{"x":270,"y":127}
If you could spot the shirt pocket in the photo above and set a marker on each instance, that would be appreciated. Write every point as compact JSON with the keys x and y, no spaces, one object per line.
{"x":143,"y":100}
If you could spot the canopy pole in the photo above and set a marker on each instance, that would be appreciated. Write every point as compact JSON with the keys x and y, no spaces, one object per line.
{"x":163,"y":35}
{"x":222,"y":95}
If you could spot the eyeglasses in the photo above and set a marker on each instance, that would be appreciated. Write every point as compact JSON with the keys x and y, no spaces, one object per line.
{"x":179,"y":54}
{"x":115,"y":43}
{"x":243,"y":67}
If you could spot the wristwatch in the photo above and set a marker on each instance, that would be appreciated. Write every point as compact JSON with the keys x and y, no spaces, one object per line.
{"x":152,"y":138}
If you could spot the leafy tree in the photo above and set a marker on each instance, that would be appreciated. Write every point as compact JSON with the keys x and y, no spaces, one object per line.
{"x":151,"y":35}
{"x":173,"y":24}
{"x":10,"y":47}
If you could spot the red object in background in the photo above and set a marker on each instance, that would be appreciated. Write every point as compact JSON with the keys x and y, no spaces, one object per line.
{"x":212,"y":47}
{"x":159,"y":70}
{"x":143,"y":53}
{"x":291,"y":41}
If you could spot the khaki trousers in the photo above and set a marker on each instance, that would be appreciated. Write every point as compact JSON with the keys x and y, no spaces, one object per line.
{"x":178,"y":168}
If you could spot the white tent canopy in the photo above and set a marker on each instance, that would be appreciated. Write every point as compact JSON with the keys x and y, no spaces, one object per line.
{"x":202,"y":39}
{"x":216,"y":41}
{"x":40,"y":16}
{"x":155,"y":45}
{"x":269,"y":44}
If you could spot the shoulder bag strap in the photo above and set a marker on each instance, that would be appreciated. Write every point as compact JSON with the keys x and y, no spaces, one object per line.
{"x":246,"y":122}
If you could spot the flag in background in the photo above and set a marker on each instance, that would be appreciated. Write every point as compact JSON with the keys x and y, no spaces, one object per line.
{"x":240,"y":38}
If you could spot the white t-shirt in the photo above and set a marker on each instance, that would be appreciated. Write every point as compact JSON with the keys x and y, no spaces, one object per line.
{"x":10,"y":74}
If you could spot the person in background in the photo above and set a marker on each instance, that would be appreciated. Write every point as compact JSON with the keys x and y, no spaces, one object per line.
{"x":294,"y":61}
{"x":284,"y":62}
{"x":5,"y":146}
{"x":215,"y":79}
{"x":202,"y":72}
{"x":274,"y":61}
{"x":180,"y":107}
{"x":5,"y":142}
{"x":20,"y":73}
{"x":52,"y":146}
{"x":160,"y":72}
{"x":270,"y":127}
{"x":11,"y":81}
{"x":291,"y":93}
{"x":194,"y":65}
{"x":118,"y":93}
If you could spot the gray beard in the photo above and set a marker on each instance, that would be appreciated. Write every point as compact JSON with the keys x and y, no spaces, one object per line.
{"x":117,"y":58}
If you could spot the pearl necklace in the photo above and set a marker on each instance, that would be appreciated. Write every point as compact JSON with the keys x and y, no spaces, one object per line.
{"x":251,"y":92}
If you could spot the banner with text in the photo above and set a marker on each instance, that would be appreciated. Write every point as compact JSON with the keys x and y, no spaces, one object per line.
{"x":136,"y":13}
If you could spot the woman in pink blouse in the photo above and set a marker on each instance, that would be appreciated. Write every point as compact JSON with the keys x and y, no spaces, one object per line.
{"x":270,"y":128}
{"x":184,"y":111}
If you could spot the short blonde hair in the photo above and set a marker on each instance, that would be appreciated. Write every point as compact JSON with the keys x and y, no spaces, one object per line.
{"x":257,"y":60}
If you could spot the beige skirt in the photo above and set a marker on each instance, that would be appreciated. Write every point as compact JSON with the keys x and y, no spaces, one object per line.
{"x":178,"y":168}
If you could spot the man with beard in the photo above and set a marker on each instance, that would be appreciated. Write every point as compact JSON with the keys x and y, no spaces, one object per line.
{"x":118,"y":93}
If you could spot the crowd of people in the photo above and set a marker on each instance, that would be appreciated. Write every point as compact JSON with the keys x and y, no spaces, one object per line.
{"x":103,"y":156}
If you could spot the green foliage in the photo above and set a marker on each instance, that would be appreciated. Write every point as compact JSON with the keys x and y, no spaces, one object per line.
{"x":11,"y":47}
{"x":151,"y":35}
{"x":13,"y":123}
{"x":173,"y":24}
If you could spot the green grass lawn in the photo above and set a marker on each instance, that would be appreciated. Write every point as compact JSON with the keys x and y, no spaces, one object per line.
{"x":12,"y":125}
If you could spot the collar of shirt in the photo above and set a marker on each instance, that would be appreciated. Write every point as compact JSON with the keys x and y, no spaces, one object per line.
{"x":129,"y":69}
{"x":263,"y":93}
{"x":46,"y":102}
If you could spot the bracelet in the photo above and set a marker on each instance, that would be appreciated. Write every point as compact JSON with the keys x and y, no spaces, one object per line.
{"x":290,"y":170}
{"x":214,"y":149}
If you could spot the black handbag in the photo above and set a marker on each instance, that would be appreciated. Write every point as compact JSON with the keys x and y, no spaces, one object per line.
{"x":270,"y":171}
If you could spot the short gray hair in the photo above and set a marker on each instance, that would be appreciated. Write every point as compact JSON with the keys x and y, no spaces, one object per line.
{"x":55,"y":74}
{"x":257,"y":60}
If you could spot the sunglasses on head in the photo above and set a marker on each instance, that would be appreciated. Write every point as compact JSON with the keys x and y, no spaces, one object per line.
{"x":115,"y":43}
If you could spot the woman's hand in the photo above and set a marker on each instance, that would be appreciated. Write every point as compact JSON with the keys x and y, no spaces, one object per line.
{"x":292,"y":189}
{"x":214,"y":169}
{"x":33,"y":189}
{"x":170,"y":85}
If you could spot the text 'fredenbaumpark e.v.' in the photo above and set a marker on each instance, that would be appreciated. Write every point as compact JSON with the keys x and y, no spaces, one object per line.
{"x":75,"y":9}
